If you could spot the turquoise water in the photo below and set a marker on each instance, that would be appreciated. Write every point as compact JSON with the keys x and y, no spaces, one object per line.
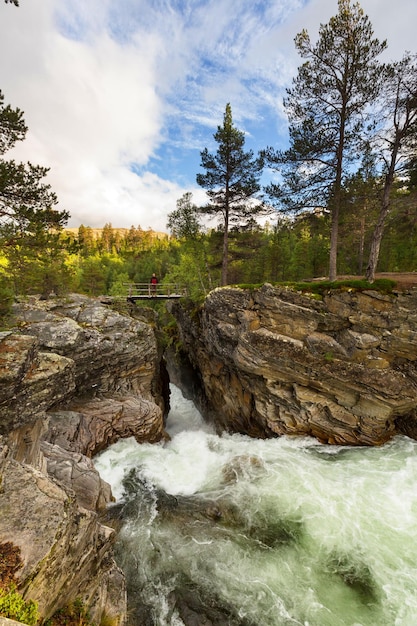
{"x":281,"y":531}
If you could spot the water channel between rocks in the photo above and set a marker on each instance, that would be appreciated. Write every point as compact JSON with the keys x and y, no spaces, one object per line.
{"x":235,"y":531}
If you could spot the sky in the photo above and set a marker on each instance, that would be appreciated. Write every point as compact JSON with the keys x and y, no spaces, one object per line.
{"x":121,"y":96}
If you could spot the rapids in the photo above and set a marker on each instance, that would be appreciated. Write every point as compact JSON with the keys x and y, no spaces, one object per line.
{"x":232,"y":530}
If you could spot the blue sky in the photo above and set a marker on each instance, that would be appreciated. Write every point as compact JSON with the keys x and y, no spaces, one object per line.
{"x":120,"y":96}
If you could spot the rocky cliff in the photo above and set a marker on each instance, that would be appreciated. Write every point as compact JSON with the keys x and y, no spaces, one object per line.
{"x":74,"y":377}
{"x":272,"y":361}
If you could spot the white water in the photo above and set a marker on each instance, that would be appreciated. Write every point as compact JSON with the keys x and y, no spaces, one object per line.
{"x":348,"y":555}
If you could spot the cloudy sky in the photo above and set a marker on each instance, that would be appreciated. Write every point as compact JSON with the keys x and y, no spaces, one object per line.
{"x":120,"y":96}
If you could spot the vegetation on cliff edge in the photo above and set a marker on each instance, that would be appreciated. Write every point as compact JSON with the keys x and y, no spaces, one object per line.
{"x":12,"y":604}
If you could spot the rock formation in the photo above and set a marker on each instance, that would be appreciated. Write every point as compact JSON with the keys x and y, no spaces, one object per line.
{"x":272,"y":361}
{"x":74,"y":377}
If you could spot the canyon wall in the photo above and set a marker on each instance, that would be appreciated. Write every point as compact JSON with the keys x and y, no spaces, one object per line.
{"x":75,"y":376}
{"x":273,"y":362}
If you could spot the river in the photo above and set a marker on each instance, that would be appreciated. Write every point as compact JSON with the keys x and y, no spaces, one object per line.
{"x":273,"y":532}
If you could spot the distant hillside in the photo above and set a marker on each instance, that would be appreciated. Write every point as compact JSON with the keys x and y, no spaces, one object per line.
{"x":97,"y":232}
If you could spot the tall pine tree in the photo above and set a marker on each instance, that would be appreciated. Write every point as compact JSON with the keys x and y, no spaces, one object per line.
{"x":29,"y":225}
{"x":231,"y":180}
{"x":326,"y":109}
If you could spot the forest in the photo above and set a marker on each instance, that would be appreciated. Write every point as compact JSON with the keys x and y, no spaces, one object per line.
{"x":342,"y":198}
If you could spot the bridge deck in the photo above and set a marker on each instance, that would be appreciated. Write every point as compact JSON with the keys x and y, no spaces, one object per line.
{"x":159,"y":296}
{"x":145,"y":291}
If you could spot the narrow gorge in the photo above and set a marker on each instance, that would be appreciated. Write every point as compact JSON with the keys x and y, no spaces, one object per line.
{"x":77,"y":376}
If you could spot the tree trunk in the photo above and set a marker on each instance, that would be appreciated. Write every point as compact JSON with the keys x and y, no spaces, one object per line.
{"x":337,"y":197}
{"x":226,"y":233}
{"x":225,"y":249}
{"x":333,"y":243}
{"x":385,"y":207}
{"x":378,"y":232}
{"x":361,"y":244}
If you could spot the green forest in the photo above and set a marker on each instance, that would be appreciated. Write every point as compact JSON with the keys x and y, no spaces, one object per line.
{"x":342,"y":198}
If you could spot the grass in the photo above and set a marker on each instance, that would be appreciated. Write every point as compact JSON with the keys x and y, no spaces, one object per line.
{"x":383,"y":285}
{"x":320,"y":287}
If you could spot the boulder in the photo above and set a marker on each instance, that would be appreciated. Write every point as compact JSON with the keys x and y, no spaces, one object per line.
{"x":66,"y":551}
{"x":89,"y":426}
{"x":77,"y":472}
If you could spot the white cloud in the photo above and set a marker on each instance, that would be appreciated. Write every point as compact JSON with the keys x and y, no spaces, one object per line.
{"x":92,"y":109}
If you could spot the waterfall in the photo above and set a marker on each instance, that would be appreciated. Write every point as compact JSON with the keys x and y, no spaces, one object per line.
{"x":229,"y":530}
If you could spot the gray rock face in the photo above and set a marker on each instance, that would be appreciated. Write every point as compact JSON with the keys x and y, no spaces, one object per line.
{"x":66,"y":552}
{"x":275,"y":362}
{"x":31,"y":381}
{"x":77,"y":472}
{"x":111,"y":352}
{"x":75,"y":376}
{"x":69,"y":349}
{"x":89,"y":426}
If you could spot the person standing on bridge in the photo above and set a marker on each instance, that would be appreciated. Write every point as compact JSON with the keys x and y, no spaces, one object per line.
{"x":153,"y":284}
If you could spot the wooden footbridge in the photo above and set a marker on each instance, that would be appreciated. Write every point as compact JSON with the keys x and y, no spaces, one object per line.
{"x":145,"y":291}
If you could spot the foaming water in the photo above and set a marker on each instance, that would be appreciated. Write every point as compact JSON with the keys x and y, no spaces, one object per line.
{"x":276,"y":532}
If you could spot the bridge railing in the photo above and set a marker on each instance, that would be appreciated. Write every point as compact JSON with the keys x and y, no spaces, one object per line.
{"x":147,"y":290}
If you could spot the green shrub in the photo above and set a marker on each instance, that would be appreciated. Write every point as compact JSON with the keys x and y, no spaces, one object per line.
{"x":13,"y":606}
{"x":6,"y":299}
{"x":383,"y":285}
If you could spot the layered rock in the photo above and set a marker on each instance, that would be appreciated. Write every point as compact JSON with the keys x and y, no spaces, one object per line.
{"x":75,"y":376}
{"x":112,"y":352}
{"x":31,"y":380}
{"x":273,"y":362}
{"x":66,"y":552}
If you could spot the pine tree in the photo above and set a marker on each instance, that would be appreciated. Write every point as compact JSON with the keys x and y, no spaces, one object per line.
{"x":183,"y":222}
{"x":29,"y":225}
{"x":231,"y":180}
{"x":326,"y":108}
